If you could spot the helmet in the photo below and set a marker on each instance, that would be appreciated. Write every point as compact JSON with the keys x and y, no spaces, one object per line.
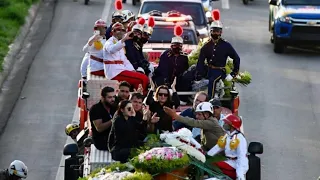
{"x":117,"y":14}
{"x":117,"y":26}
{"x":177,"y":39}
{"x":127,"y":14}
{"x":233,"y":120}
{"x":137,"y":27}
{"x":216,"y":24}
{"x":147,"y":29}
{"x":100,"y":23}
{"x":71,"y":127}
{"x":18,"y":168}
{"x":204,"y":107}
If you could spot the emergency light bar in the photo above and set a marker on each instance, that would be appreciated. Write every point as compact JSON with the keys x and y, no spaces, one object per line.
{"x":169,"y":19}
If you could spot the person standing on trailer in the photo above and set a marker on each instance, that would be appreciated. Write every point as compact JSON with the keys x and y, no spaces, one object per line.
{"x":116,"y":65}
{"x":95,"y":49}
{"x":235,"y":146}
{"x":216,"y":51}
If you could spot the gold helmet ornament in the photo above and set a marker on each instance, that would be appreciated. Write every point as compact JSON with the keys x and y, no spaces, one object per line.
{"x":178,"y":31}
{"x":216,"y":23}
{"x":148,"y":28}
{"x":139,"y":25}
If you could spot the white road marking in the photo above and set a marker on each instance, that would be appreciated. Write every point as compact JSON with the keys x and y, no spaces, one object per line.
{"x":225,"y":4}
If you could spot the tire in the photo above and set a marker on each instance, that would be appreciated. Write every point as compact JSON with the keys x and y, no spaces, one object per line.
{"x":278,"y":46}
{"x":245,"y":2}
{"x":254,"y":172}
{"x":86,"y":2}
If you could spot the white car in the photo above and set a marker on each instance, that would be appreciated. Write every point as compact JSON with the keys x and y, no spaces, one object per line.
{"x":194,"y":8}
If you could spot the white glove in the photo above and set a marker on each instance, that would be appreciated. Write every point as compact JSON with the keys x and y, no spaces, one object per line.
{"x":151,"y":68}
{"x":229,"y":77}
{"x":139,"y":69}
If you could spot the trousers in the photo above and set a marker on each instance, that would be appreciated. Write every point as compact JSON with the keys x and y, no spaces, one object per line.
{"x":214,"y":75}
{"x":134,"y":78}
{"x":227,"y":169}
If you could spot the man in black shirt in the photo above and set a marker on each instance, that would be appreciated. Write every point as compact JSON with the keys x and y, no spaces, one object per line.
{"x":100,"y":118}
{"x":124,"y":91}
{"x":137,"y":103}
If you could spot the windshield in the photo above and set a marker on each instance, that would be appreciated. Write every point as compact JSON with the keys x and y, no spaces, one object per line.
{"x":204,"y":0}
{"x":302,"y":2}
{"x":165,"y":34}
{"x":195,"y":10}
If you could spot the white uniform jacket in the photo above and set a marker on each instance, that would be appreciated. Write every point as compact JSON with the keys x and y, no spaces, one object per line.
{"x":113,"y":51}
{"x":94,"y":64}
{"x":84,"y":65}
{"x":241,"y":164}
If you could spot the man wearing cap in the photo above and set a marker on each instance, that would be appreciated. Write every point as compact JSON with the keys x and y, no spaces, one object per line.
{"x":116,"y":65}
{"x":217,"y":108}
{"x":94,"y":48}
{"x":117,"y":16}
{"x":173,"y":63}
{"x":215,"y":52}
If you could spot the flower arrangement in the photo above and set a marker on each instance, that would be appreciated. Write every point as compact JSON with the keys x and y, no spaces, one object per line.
{"x":160,"y":160}
{"x":183,"y":140}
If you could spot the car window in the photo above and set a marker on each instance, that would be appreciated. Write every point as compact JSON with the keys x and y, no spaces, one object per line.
{"x":165,"y":34}
{"x":301,"y":2}
{"x":195,"y":10}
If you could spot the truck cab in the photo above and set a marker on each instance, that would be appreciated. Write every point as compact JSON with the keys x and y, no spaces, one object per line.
{"x":293,"y":22}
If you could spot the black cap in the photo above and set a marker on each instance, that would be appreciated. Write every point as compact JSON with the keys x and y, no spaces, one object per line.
{"x":215,"y":102}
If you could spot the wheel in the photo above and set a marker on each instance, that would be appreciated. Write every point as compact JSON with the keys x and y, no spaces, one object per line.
{"x":134,"y":2}
{"x":86,"y":2}
{"x":278,"y":46}
{"x":245,"y":2}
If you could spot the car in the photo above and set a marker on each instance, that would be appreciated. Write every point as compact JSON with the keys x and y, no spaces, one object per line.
{"x":163,"y":31}
{"x":293,"y":22}
{"x":194,"y":8}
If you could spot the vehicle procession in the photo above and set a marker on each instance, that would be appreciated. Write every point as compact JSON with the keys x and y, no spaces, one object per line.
{"x":158,"y":100}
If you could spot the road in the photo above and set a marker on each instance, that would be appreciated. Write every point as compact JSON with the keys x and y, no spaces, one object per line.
{"x":280,"y":107}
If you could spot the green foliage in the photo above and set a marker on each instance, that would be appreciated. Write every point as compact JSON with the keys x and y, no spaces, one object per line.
{"x":193,"y":57}
{"x":12,"y":16}
{"x":139,"y":176}
{"x":157,"y":166}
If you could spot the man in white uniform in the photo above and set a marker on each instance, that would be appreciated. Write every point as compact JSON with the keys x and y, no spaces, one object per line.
{"x":234,"y":144}
{"x":116,"y":65}
{"x":95,"y":49}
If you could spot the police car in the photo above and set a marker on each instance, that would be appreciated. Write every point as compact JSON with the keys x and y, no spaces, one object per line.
{"x":194,"y":8}
{"x":294,"y":22}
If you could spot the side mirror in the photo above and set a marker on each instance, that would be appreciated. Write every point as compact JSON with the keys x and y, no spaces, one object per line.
{"x":255,"y":148}
{"x":209,"y":17}
{"x":87,"y":142}
{"x":273,"y":2}
{"x":85,"y":95}
{"x":70,"y":150}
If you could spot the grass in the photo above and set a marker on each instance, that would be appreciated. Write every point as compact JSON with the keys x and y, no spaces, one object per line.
{"x":12,"y":17}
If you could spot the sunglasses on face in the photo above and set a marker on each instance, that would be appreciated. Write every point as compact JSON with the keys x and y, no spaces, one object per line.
{"x":163,"y":94}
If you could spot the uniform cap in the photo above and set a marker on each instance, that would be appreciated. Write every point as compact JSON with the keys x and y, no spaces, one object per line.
{"x":117,"y":26}
{"x":100,"y":23}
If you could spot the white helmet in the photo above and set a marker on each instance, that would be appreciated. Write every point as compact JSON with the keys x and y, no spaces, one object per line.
{"x":18,"y":168}
{"x":177,"y":39}
{"x":216,"y":24}
{"x":204,"y":107}
{"x":127,"y":14}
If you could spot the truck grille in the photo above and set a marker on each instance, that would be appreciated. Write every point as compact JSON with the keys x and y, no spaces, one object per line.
{"x":306,"y":29}
{"x":308,"y":33}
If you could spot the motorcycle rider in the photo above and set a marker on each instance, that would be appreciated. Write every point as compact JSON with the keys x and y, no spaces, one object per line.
{"x":73,"y":130}
{"x":215,"y":52}
{"x":95,"y":49}
{"x":116,"y":65}
{"x":128,"y":17}
{"x":234,"y":144}
{"x":16,"y":171}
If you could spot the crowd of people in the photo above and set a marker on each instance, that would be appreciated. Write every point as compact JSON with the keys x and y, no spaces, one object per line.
{"x":121,"y":120}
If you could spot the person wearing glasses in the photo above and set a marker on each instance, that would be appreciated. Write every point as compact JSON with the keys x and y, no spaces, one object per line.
{"x":156,"y":101}
{"x":123,"y":132}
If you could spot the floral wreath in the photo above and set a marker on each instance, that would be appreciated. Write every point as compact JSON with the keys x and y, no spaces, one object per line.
{"x":183,"y":140}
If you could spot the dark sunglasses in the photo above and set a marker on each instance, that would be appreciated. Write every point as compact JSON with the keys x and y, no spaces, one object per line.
{"x":163,"y":94}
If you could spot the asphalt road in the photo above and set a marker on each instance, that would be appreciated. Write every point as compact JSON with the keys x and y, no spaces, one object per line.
{"x":280,"y":107}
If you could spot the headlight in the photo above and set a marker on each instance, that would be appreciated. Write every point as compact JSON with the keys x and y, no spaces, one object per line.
{"x":285,"y":19}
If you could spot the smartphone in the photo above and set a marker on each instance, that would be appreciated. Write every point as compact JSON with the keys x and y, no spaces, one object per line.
{"x":96,"y":32}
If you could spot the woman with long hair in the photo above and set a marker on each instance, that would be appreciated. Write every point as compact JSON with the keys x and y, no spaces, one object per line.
{"x":123,"y":135}
{"x":157,"y":101}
